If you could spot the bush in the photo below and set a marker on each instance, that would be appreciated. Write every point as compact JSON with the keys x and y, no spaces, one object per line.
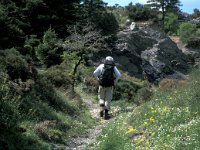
{"x":30,"y":46}
{"x":14,"y":64}
{"x":171,"y":23}
{"x":58,"y":76}
{"x":125,"y":90}
{"x":9,"y":114}
{"x":91,"y":84}
{"x":187,"y":32}
{"x":143,"y":95}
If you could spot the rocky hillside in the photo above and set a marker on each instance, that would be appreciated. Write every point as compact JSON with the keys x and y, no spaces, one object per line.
{"x":148,"y":51}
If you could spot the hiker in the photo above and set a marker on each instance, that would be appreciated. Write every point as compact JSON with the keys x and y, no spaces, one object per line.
{"x":107,"y":74}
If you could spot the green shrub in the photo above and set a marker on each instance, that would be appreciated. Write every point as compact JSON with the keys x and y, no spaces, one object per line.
{"x":171,"y":23}
{"x":91,"y":84}
{"x":143,"y":95}
{"x":187,"y":32}
{"x":59,"y":76}
{"x":14,"y":64}
{"x":30,"y":46}
{"x":9,"y":103}
{"x":44,"y":94}
{"x":125,"y":90}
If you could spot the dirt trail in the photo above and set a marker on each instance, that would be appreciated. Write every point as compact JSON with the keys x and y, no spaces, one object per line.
{"x":81,"y":142}
{"x":183,"y":47}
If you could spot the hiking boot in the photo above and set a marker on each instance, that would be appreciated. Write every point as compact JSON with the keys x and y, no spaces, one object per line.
{"x":106,"y":116}
{"x":101,"y":113}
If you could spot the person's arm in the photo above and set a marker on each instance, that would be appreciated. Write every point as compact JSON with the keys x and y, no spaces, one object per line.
{"x":97,"y":72}
{"x":117,"y":74}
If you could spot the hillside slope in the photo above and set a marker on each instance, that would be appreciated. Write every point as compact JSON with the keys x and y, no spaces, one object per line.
{"x":169,"y":121}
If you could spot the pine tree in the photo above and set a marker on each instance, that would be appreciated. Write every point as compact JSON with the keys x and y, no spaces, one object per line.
{"x":165,"y":6}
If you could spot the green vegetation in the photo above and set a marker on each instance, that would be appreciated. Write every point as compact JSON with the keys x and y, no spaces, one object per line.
{"x":45,"y":51}
{"x":187,"y":32}
{"x":165,"y":6}
{"x":139,"y":12}
{"x":34,"y":115}
{"x":171,"y":23}
{"x":169,"y":121}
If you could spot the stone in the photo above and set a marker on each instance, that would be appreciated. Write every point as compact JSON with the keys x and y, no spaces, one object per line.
{"x":147,"y":52}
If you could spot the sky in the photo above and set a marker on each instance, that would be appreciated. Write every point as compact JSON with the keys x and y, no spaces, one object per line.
{"x":188,"y":5}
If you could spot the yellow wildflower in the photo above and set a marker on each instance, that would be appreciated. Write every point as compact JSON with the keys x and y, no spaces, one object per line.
{"x":145,"y":123}
{"x":131,"y":129}
{"x":154,"y":111}
{"x":151,"y":119}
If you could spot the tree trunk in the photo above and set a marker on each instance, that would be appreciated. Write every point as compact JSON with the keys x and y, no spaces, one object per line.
{"x":163,"y":16}
{"x":75,"y":70}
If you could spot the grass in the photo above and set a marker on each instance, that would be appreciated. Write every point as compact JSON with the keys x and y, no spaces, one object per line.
{"x":40,"y":118}
{"x":169,"y":121}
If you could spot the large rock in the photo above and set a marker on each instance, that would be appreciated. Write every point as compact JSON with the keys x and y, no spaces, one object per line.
{"x":148,"y":52}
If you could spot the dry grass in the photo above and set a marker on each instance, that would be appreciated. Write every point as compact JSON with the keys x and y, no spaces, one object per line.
{"x":168,"y":84}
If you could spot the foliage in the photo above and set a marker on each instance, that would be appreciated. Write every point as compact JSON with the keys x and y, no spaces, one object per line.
{"x":131,"y":92}
{"x":106,"y":22}
{"x":143,"y":95}
{"x":79,"y":45}
{"x":120,"y":15}
{"x":125,"y":90}
{"x":14,"y":64}
{"x":139,"y":12}
{"x":22,"y":18}
{"x":30,"y":46}
{"x":113,"y":137}
{"x":49,"y":51}
{"x":171,"y":23}
{"x":38,"y":117}
{"x":166,"y":6}
{"x":196,"y":13}
{"x":169,"y":121}
{"x":187,"y":32}
{"x":59,"y":76}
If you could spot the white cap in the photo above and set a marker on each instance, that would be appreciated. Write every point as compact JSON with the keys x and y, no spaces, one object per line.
{"x":109,"y":60}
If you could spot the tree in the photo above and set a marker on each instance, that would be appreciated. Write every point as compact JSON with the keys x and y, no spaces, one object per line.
{"x":165,"y":6}
{"x":26,"y":17}
{"x":49,"y":51}
{"x":196,"y":13}
{"x":139,"y":12}
{"x":93,"y":6}
{"x":79,"y":45}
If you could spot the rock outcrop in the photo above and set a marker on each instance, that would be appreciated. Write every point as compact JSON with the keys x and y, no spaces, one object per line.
{"x":148,"y":52}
